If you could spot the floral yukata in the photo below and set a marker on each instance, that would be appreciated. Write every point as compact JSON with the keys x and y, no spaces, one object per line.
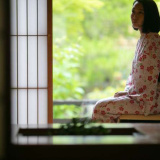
{"x":143,"y":88}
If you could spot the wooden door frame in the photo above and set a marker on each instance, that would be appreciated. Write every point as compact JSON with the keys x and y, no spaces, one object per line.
{"x":49,"y":39}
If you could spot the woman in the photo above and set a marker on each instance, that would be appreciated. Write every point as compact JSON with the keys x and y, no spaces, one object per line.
{"x":141,"y":95}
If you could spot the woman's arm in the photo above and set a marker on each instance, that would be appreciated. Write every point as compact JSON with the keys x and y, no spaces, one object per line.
{"x":121,"y":93}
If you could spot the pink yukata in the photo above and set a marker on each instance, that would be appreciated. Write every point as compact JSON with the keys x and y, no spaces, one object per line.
{"x":143,"y":88}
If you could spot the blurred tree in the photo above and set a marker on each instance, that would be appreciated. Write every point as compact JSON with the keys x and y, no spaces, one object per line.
{"x":66,"y":80}
{"x":72,"y":14}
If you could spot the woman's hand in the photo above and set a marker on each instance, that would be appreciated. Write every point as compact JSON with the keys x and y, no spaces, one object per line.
{"x":121,"y":93}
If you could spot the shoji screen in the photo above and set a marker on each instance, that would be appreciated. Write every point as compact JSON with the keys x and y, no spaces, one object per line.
{"x":30,"y":61}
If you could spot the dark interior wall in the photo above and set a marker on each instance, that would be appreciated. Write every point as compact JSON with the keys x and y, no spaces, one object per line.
{"x":4,"y":79}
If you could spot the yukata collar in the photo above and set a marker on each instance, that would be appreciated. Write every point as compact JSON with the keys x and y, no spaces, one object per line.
{"x":147,"y":35}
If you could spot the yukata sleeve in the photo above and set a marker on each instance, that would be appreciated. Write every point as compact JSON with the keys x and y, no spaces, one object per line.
{"x":146,"y":76}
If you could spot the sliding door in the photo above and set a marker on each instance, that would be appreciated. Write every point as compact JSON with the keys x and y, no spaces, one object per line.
{"x":31,"y":61}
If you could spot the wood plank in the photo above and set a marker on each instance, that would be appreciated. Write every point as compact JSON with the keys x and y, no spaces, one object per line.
{"x":140,"y":117}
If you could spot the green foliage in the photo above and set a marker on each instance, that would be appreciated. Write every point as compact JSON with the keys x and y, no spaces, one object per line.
{"x":111,"y":20}
{"x":72,"y":12}
{"x":83,"y":126}
{"x":108,"y":91}
{"x":107,"y":59}
{"x":66,"y":78}
{"x":66,"y":111}
{"x":77,"y":6}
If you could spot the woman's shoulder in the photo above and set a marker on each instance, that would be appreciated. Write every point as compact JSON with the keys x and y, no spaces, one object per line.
{"x":150,"y":36}
{"x":150,"y":42}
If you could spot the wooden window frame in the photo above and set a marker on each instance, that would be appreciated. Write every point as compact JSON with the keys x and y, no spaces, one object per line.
{"x":49,"y":45}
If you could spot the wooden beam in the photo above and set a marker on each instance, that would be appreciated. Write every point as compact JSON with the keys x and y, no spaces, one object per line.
{"x":49,"y":28}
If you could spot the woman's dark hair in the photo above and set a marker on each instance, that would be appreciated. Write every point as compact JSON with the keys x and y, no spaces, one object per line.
{"x":151,"y":16}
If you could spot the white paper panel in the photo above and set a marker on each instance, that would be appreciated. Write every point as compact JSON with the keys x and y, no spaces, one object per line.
{"x":22,"y":19}
{"x":42,"y":61}
{"x":32,"y":106}
{"x":22,"y":106}
{"x":13,"y":106}
{"x":13,"y":17}
{"x":43,"y":140}
{"x":43,"y":106}
{"x":22,"y":61}
{"x":32,"y":140}
{"x":13,"y":61}
{"x":32,"y":17}
{"x":42,"y":17}
{"x":22,"y":140}
{"x":32,"y":61}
